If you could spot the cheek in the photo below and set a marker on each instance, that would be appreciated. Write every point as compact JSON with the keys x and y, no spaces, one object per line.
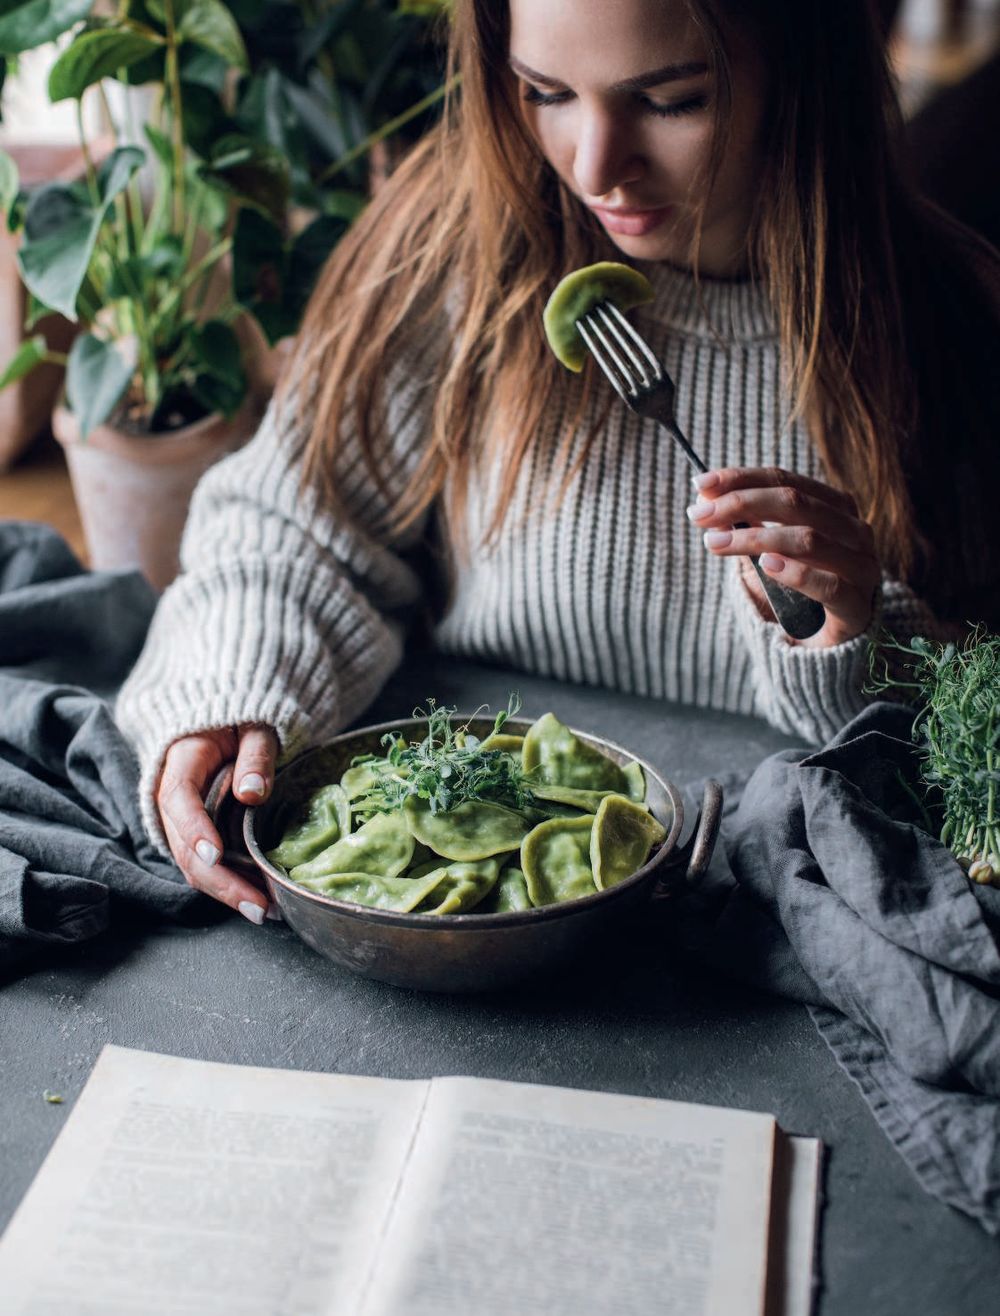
{"x":551,"y":137}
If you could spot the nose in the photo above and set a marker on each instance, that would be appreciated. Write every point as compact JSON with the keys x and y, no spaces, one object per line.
{"x":605,"y":156}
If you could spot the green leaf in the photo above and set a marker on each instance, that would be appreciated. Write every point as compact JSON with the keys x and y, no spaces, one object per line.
{"x":96,"y":379}
{"x":209,"y":24}
{"x":160,"y":143}
{"x":114,"y":172}
{"x":202,"y":68}
{"x":9,"y":182}
{"x":30,"y":354}
{"x":338,"y":203}
{"x":318,"y":36}
{"x":255,"y":173}
{"x":220,"y":382}
{"x":308,"y":256}
{"x":94,"y":55}
{"x":26,"y":26}
{"x":61,"y":225}
{"x":273,"y":279}
{"x":35,"y":311}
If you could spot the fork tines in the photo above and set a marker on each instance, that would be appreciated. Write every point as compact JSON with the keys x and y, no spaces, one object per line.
{"x":622,"y":353}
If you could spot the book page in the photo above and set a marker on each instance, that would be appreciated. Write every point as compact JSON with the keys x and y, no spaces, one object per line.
{"x":181,"y":1187}
{"x":520,"y":1200}
{"x":791,"y":1263}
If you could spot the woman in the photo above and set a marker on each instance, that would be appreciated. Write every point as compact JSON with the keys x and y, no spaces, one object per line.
{"x":829,"y":335}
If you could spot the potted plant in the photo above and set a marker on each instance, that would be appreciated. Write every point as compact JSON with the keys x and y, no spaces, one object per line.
{"x":182,"y":231}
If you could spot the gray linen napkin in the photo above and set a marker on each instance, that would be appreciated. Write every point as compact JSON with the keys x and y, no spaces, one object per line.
{"x":829,"y":888}
{"x":73,"y":852}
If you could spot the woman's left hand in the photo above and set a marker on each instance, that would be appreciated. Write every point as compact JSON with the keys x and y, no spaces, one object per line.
{"x":817,"y":543}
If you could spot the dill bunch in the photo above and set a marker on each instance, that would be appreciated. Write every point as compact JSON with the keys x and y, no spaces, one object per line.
{"x":447,"y":768}
{"x":957,"y":726}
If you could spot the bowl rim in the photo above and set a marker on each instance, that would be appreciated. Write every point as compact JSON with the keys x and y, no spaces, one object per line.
{"x":469,"y":921}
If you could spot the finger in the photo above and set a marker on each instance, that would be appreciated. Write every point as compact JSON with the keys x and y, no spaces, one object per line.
{"x":803,"y":543}
{"x":712,"y":484}
{"x":787,"y":505}
{"x":253,"y":776}
{"x":180,"y":801}
{"x":214,"y":880}
{"x":848,"y":607}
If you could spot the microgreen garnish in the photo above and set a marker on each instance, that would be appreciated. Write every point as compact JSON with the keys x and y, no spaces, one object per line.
{"x":958,"y":730}
{"x":447,"y":768}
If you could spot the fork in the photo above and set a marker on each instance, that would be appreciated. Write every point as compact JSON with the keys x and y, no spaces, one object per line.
{"x":638,"y":376}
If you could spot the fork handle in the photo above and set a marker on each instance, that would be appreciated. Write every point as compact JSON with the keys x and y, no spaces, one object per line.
{"x":798,"y":616}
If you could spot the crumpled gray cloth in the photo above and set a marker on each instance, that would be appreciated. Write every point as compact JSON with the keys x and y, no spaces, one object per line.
{"x":829,"y":888}
{"x":73,"y":852}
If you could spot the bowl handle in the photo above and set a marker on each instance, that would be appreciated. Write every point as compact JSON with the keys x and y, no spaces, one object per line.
{"x":697,"y":852}
{"x":226,"y":812}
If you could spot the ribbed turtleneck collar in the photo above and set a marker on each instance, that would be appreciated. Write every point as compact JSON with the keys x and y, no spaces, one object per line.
{"x":736,"y":310}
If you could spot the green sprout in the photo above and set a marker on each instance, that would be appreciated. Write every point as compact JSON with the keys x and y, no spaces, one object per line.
{"x":447,"y":768}
{"x":957,"y":727}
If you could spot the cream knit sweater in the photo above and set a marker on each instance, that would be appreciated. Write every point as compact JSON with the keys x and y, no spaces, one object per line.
{"x":285,"y":616}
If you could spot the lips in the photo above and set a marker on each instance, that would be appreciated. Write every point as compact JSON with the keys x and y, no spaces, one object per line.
{"x":632,"y":223}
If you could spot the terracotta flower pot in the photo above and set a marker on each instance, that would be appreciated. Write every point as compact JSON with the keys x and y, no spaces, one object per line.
{"x":133,"y":490}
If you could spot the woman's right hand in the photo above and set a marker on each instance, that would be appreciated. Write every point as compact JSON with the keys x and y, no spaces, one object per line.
{"x":189,"y":767}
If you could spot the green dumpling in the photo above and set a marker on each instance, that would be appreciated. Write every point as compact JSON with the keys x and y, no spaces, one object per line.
{"x":580,"y":292}
{"x":461,"y":887}
{"x":509,"y":894}
{"x":469,"y":831}
{"x":383,"y":845}
{"x":327,"y":817}
{"x":373,"y":889}
{"x":636,"y":779}
{"x":555,"y":860}
{"x":622,"y":837}
{"x":555,"y":757}
{"x":583,"y":800}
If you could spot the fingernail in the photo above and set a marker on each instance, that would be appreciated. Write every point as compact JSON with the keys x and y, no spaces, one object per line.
{"x":705,"y":480}
{"x":771,"y":562}
{"x":252,"y":784}
{"x":251,"y":911}
{"x":718,"y":538}
{"x":207,"y":852}
{"x":700,"y":510}
{"x":274,"y":914}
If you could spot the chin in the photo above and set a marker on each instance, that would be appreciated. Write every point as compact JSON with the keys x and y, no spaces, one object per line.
{"x":653,"y":247}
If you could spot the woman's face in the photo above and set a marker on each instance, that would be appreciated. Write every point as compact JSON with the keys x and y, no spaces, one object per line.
{"x":618,"y":97}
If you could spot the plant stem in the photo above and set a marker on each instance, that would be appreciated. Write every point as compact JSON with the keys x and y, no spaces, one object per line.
{"x":176,"y":109}
{"x":387,"y":129}
{"x":207,"y":261}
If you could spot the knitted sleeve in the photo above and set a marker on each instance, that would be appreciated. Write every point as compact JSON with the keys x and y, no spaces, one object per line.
{"x":812,"y":693}
{"x":283,"y":613}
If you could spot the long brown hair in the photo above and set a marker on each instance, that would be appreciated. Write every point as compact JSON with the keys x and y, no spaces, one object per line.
{"x":888,"y":329}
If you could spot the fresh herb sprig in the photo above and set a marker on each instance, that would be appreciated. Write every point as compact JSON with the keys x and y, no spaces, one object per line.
{"x":957,"y":726}
{"x":447,"y":768}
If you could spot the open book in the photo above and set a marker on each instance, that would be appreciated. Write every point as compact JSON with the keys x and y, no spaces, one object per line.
{"x":184,"y":1186}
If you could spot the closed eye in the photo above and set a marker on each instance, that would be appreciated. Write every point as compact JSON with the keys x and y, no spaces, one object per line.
{"x":670,"y":109}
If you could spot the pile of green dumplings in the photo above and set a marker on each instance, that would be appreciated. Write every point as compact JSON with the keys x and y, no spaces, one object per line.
{"x":586,"y":828}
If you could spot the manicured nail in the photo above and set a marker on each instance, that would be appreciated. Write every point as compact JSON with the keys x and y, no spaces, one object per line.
{"x":207,"y":852}
{"x":718,"y":538}
{"x":251,"y":911}
{"x":771,"y":562}
{"x":705,"y":480}
{"x":252,"y":784}
{"x":700,"y":510}
{"x":274,"y":914}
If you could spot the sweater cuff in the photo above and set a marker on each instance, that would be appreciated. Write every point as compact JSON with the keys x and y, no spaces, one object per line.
{"x":803,"y":691}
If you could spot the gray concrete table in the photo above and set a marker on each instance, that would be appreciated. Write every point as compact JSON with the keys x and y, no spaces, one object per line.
{"x":258,"y":996}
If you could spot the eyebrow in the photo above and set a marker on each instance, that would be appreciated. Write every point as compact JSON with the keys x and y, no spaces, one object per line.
{"x":654,"y":78}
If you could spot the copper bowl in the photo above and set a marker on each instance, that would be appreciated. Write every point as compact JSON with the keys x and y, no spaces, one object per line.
{"x":462,"y":952}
